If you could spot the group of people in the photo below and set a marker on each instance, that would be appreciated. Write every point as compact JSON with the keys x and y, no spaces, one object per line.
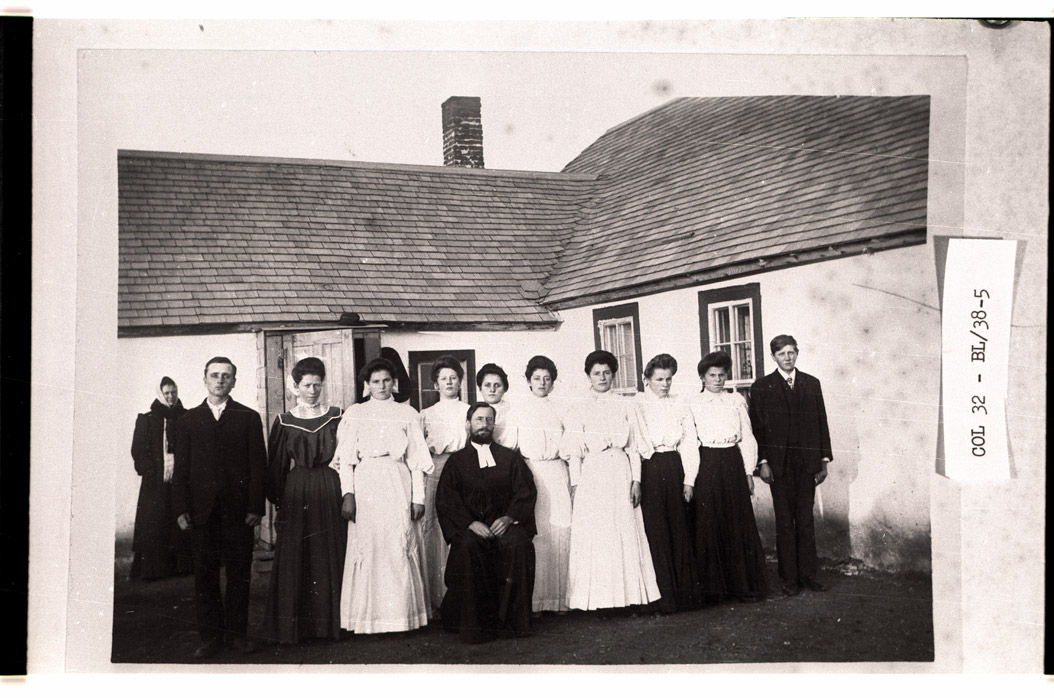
{"x":485,"y":515}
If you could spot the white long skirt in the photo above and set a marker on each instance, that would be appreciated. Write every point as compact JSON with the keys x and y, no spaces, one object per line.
{"x":383,"y":589}
{"x":552,"y":544}
{"x":434,"y":548}
{"x":610,"y":562}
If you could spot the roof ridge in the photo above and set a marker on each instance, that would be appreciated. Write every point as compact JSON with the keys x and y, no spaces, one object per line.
{"x":326,"y":162}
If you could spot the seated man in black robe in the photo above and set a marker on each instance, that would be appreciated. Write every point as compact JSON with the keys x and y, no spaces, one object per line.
{"x":485,"y":504}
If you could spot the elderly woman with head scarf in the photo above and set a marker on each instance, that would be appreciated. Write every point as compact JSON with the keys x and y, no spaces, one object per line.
{"x":161,"y":548}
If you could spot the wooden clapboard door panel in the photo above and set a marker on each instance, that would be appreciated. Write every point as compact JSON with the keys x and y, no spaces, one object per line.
{"x":336,"y":350}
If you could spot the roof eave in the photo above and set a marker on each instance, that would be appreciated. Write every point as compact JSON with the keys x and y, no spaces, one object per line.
{"x":702,"y":277}
{"x":173,"y":330}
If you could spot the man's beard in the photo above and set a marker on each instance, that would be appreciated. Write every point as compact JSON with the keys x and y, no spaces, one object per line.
{"x":482,"y":437}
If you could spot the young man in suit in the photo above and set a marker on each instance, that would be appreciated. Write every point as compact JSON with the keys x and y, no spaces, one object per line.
{"x":218,"y":486}
{"x":789,"y":421}
{"x":485,"y":505}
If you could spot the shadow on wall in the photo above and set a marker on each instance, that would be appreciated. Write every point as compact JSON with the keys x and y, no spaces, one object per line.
{"x":878,"y":542}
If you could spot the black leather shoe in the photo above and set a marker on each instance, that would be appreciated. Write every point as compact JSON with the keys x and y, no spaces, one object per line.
{"x":813,"y":585}
{"x":244,"y":645}
{"x":791,"y":589}
{"x":208,"y":649}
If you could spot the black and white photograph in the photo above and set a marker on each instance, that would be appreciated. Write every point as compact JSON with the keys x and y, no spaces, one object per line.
{"x":581,"y":345}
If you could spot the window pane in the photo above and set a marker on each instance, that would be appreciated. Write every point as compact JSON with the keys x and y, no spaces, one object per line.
{"x":727,"y":348}
{"x":627,"y":364}
{"x":742,"y":322}
{"x":744,"y":361}
{"x":721,"y":326}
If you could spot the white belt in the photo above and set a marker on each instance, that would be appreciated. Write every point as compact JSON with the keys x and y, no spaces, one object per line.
{"x":665,"y":449}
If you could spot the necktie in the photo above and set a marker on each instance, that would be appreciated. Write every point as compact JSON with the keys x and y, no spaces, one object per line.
{"x":790,"y":382}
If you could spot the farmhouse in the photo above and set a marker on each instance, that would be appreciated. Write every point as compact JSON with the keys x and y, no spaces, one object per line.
{"x":704,"y":223}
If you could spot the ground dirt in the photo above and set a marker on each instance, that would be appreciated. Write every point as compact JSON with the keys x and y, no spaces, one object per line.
{"x":864,"y":616}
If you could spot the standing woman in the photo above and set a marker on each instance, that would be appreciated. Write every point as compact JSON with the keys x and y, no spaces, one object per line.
{"x":610,"y":563}
{"x":303,"y":600}
{"x":444,"y":428}
{"x":667,"y":486}
{"x":383,"y":460}
{"x":493,"y":383}
{"x":536,"y":428}
{"x":728,"y":552}
{"x":161,"y":548}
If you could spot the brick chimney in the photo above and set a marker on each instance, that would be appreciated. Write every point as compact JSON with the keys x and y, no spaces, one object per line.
{"x":462,"y":132}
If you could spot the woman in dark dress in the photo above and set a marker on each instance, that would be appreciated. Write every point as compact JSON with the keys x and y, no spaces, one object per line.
{"x":161,"y":548}
{"x":304,"y":597}
{"x":729,"y":557}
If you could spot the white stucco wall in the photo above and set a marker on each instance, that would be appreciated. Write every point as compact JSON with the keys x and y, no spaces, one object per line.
{"x":144,"y":361}
{"x":869,"y":328}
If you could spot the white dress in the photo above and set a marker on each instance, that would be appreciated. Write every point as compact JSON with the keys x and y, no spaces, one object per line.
{"x":502,"y":409}
{"x":535,"y":427}
{"x":610,"y":561}
{"x":445,"y":431}
{"x":383,"y":459}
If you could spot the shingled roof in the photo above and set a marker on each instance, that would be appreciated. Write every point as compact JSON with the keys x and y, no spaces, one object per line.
{"x":696,"y":190}
{"x":700,"y":189}
{"x":237,"y":243}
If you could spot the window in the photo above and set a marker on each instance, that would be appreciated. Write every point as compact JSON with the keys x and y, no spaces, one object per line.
{"x":424,"y":394}
{"x":730,"y":321}
{"x":617,"y":329}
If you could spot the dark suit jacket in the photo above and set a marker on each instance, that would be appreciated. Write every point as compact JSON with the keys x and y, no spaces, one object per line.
{"x":219,"y":463}
{"x":770,"y":420}
{"x":468,"y":493}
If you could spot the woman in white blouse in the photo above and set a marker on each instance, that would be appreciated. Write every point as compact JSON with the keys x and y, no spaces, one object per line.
{"x":535,"y":427}
{"x":493,"y":383}
{"x":444,"y":428}
{"x":604,"y":438}
{"x":383,"y":459}
{"x":728,"y":553}
{"x":667,"y":486}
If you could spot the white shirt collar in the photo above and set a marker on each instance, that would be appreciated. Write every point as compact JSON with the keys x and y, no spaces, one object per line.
{"x":486,"y":458}
{"x":793,"y":374}
{"x":650,"y":395}
{"x":217,"y":410}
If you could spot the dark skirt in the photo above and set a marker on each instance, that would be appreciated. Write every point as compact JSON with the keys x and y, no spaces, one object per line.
{"x":729,"y":558}
{"x":489,"y":585}
{"x":161,"y":548}
{"x":665,"y":517}
{"x":304,"y":596}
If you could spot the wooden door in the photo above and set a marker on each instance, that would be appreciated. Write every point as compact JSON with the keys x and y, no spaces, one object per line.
{"x":336,"y":349}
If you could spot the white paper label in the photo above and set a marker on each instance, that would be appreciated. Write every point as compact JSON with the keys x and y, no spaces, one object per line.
{"x":975,"y":339}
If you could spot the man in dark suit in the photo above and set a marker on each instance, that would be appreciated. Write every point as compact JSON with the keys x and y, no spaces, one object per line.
{"x":485,"y":504}
{"x":218,"y":485}
{"x":789,"y":421}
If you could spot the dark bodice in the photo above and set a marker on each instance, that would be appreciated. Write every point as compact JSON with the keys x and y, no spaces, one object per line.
{"x":296,"y":442}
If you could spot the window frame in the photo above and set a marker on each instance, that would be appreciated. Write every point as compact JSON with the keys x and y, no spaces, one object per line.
{"x":616,"y":313}
{"x":416,"y":358}
{"x":730,"y":296}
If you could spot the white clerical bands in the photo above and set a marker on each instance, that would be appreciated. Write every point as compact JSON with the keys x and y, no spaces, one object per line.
{"x":486,"y":458}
